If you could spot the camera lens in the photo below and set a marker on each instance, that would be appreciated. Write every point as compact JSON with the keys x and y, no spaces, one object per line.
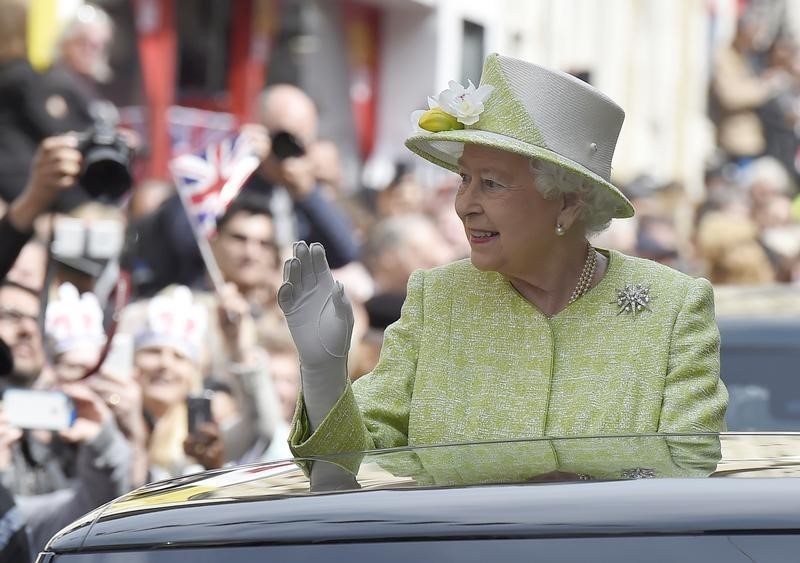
{"x":285,"y":145}
{"x":106,"y":172}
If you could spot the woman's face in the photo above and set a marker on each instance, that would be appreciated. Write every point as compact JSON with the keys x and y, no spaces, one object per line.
{"x":509,"y":225}
{"x":166,"y":376}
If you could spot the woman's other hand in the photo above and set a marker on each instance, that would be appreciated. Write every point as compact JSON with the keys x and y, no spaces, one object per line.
{"x":317,"y":310}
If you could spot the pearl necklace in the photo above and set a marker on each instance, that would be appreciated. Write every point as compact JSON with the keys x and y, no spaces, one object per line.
{"x":587,"y":275}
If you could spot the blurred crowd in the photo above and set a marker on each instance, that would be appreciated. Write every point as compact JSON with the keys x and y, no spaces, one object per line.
{"x":746,"y":228}
{"x":189,"y":374}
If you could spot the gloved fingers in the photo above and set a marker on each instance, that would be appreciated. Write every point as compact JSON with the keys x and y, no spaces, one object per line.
{"x":318,"y":258}
{"x":295,"y":277}
{"x":302,"y":253}
{"x":286,"y":297}
{"x":286,"y":270}
{"x":341,"y":303}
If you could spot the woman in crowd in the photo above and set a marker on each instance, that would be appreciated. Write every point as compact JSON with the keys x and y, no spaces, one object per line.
{"x":538,"y":333}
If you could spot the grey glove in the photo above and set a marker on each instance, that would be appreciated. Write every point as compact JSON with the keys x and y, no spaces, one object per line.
{"x":320,"y":319}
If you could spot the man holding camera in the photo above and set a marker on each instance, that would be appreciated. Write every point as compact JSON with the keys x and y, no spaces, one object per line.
{"x":291,"y":119}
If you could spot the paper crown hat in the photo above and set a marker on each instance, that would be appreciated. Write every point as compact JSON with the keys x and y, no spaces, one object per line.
{"x":73,"y":320}
{"x":529,"y":110}
{"x":174,"y":320}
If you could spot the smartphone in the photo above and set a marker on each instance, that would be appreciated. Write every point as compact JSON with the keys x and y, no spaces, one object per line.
{"x":199,"y":409}
{"x":285,"y":145}
{"x":119,"y":359}
{"x":38,"y":410}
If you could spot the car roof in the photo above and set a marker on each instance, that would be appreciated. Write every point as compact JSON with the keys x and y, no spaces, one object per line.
{"x":393,"y":494}
{"x":774,"y":300}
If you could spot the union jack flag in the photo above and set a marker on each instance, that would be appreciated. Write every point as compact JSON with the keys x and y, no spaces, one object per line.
{"x":210,"y":180}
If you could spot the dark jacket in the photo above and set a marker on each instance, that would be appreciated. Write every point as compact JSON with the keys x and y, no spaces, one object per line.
{"x":33,"y":107}
{"x":24,"y":122}
{"x":13,"y":539}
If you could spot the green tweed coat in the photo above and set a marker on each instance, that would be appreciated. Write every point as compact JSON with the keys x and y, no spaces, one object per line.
{"x":471,"y":360}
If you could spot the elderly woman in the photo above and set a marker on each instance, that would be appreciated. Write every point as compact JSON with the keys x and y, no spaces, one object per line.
{"x":538,"y":333}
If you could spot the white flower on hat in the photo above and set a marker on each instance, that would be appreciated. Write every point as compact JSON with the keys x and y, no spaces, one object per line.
{"x":465,"y":104}
{"x":453,"y":108}
{"x":73,"y":320}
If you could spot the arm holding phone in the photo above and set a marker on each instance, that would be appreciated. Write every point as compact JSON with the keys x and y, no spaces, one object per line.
{"x":251,"y":384}
{"x":102,"y":473}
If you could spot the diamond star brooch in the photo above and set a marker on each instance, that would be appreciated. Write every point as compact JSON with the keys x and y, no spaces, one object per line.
{"x":633,"y":299}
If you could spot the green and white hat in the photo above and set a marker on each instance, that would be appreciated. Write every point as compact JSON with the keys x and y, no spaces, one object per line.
{"x":528,"y":110}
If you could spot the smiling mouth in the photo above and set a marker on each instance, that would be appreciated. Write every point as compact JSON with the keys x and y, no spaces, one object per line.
{"x":479,"y":237}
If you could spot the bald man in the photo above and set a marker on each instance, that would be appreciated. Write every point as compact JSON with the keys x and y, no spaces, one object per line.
{"x":291,"y":118}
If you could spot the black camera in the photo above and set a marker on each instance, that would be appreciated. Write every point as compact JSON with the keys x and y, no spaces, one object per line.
{"x":285,"y":145}
{"x":107,"y":160}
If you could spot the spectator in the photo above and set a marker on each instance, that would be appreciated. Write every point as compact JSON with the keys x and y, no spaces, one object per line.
{"x":36,"y":467}
{"x":75,"y":338}
{"x":311,"y":215}
{"x":780,"y":116}
{"x":658,"y":240}
{"x":74,"y":333}
{"x":81,"y":63}
{"x":247,"y":253}
{"x":167,"y":360}
{"x":737,"y":93}
{"x":403,"y":195}
{"x":730,"y":247}
{"x":70,"y":85}
{"x":284,"y":369}
{"x":167,"y":365}
{"x":397,"y":246}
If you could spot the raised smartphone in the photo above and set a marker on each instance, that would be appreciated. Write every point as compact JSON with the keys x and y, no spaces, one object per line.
{"x":119,"y":360}
{"x":38,"y":410}
{"x":199,"y":410}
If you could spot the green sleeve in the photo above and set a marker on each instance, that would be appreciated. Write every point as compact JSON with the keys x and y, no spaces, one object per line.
{"x":373,"y":412}
{"x":695,"y":399}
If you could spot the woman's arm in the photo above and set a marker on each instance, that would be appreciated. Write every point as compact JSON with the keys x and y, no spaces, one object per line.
{"x":374,"y":412}
{"x":695,"y":399}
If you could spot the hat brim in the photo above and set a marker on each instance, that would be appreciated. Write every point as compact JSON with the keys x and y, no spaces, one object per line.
{"x":444,"y":149}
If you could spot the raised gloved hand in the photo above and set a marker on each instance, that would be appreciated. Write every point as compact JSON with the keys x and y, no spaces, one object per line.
{"x":320,"y":319}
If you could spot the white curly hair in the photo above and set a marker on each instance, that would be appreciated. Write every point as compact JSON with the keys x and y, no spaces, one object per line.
{"x":597,"y":205}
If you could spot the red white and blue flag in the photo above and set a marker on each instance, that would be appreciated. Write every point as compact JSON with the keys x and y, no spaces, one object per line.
{"x":208,"y":181}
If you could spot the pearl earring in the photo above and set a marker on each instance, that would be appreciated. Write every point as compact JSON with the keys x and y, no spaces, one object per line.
{"x":560,"y":230}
